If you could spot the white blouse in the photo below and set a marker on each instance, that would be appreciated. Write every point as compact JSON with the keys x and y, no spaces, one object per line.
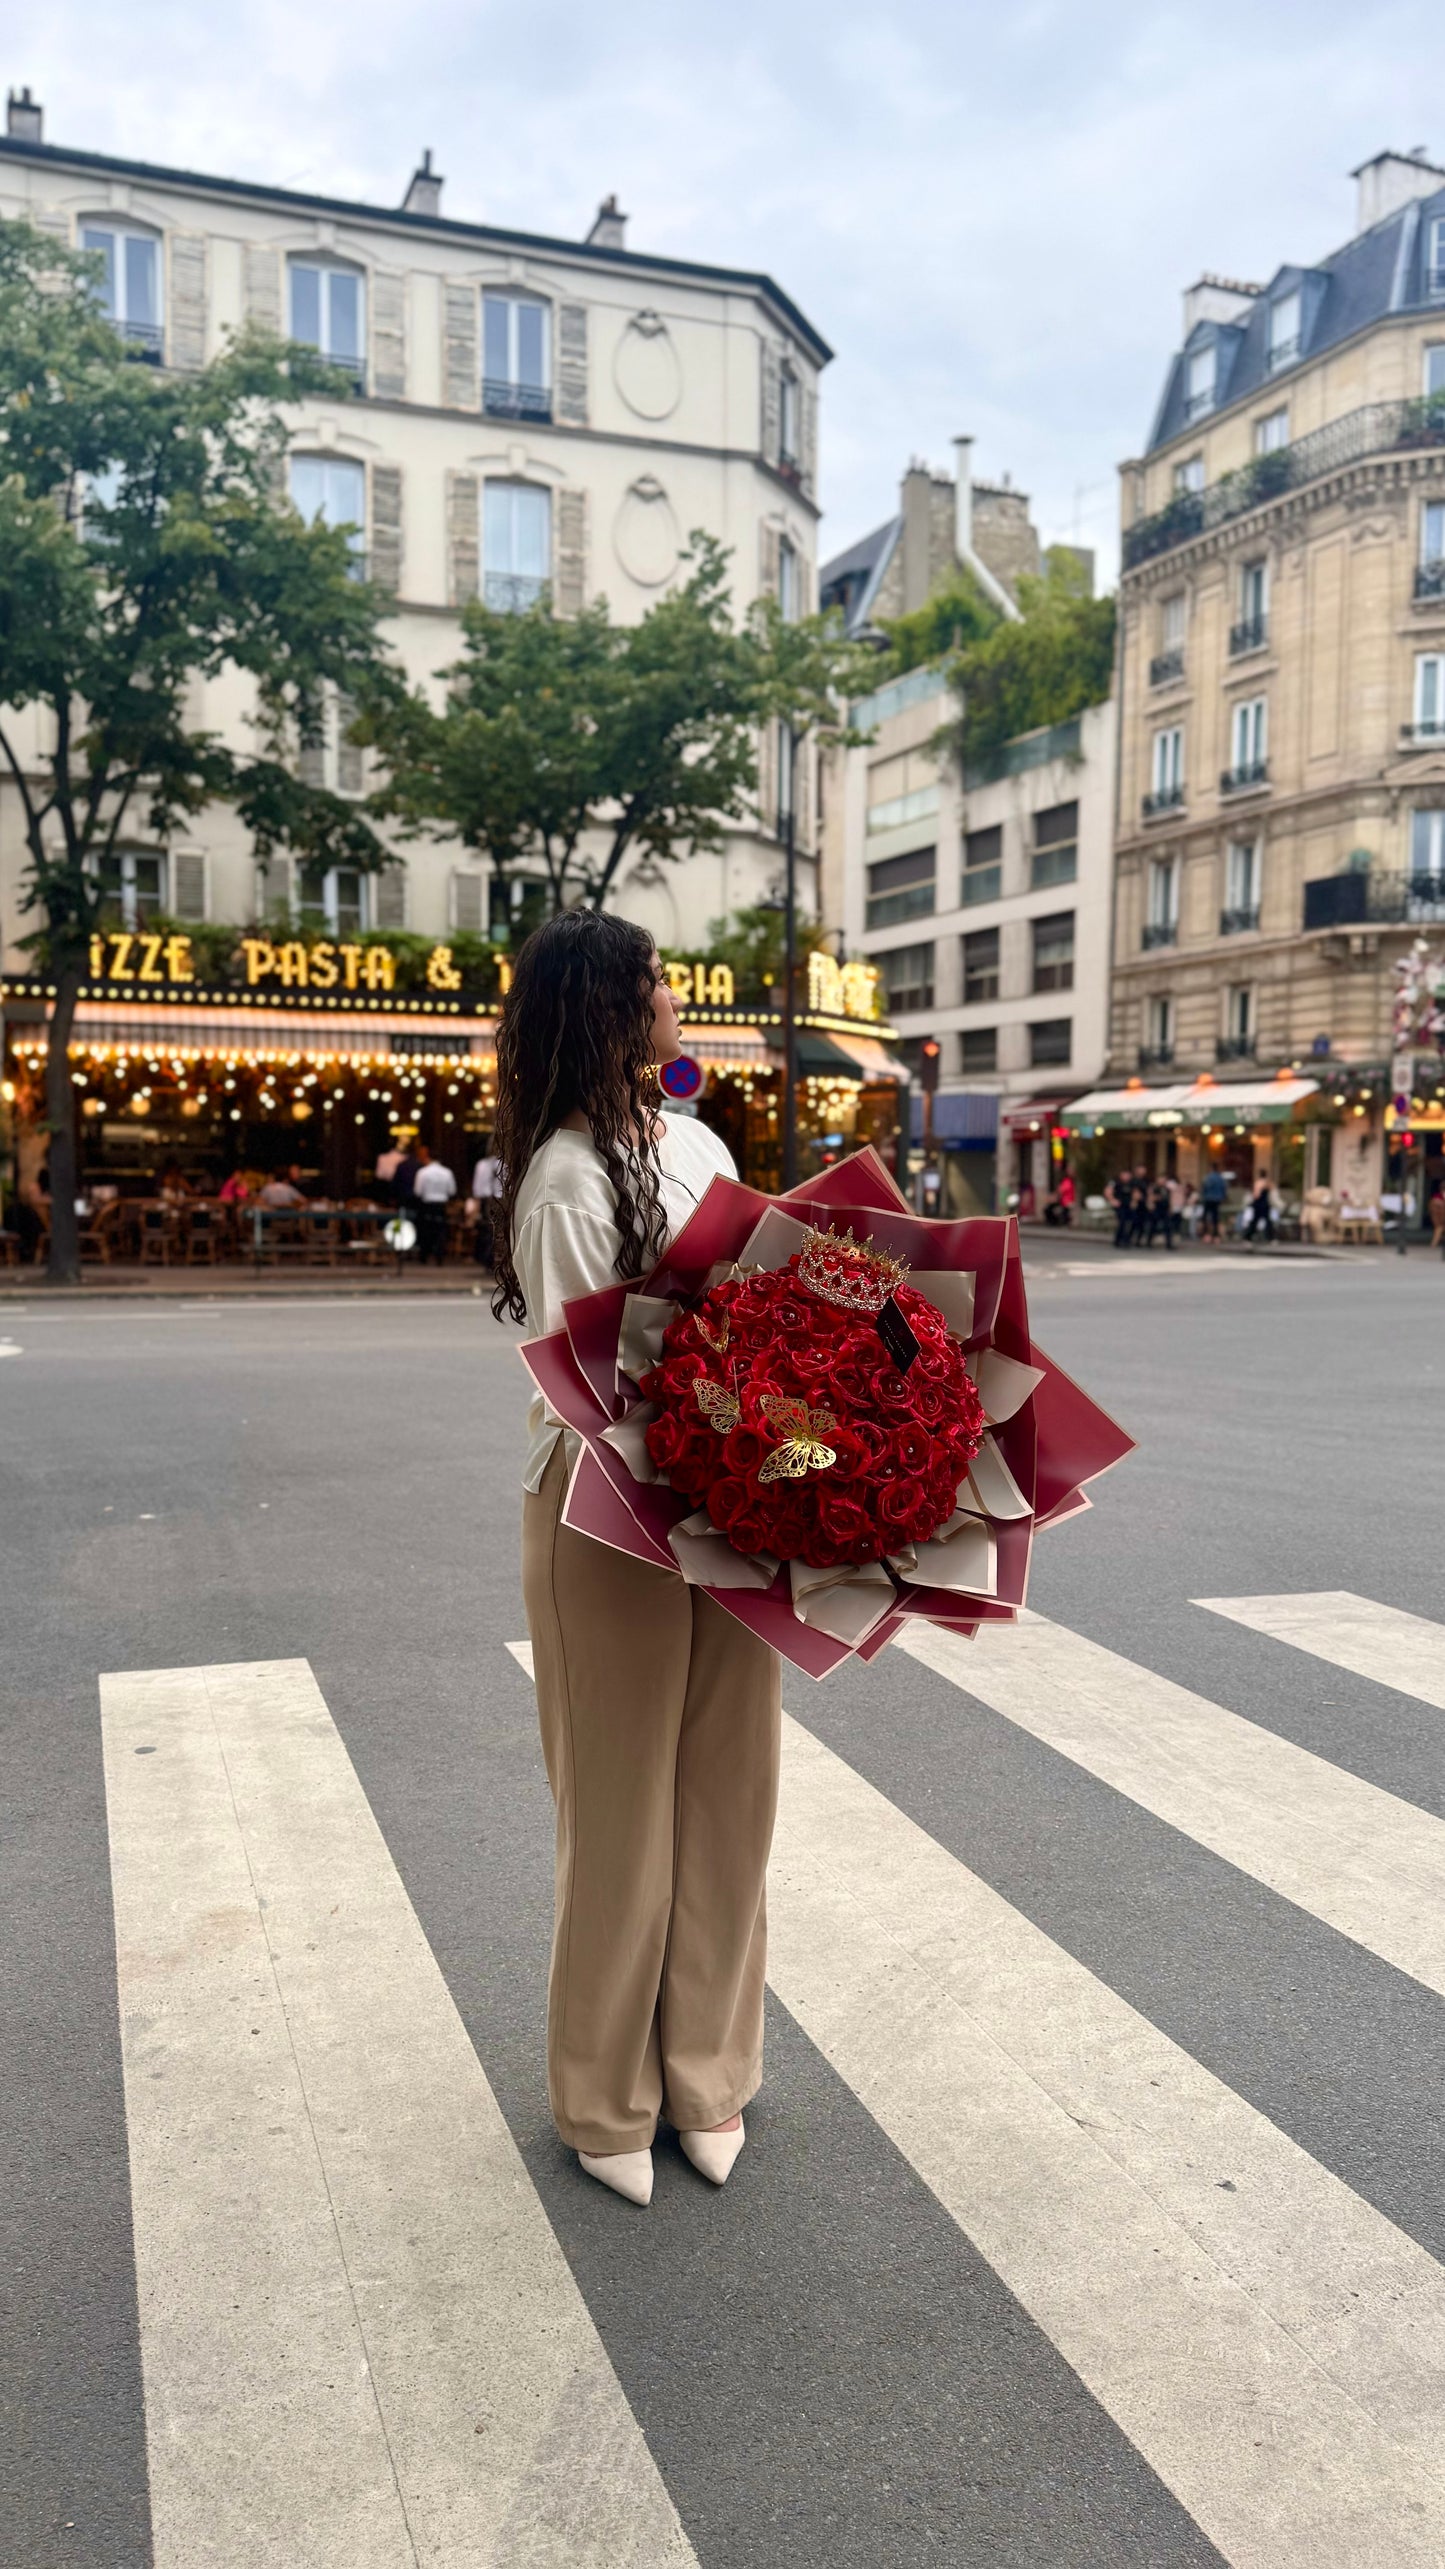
{"x":566,"y":1237}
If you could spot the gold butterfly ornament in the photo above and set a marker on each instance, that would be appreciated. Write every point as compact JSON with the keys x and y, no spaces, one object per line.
{"x":802,"y":1430}
{"x":720,"y":1407}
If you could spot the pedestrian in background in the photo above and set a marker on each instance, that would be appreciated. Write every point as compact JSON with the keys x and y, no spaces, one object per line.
{"x":1161,"y":1214}
{"x":432,"y":1190}
{"x":1120,"y":1194}
{"x":403,"y":1177}
{"x":486,"y":1194}
{"x":1260,"y":1216}
{"x":1212,"y":1193}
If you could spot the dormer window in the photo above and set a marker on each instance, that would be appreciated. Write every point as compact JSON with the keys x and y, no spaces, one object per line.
{"x":1199,"y":393}
{"x":516,"y":349}
{"x":328,"y":313}
{"x":1435,"y":260}
{"x":129,"y":292}
{"x":1284,"y":330}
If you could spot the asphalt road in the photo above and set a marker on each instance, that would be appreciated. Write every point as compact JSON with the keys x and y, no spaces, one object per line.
{"x":825,"y":2363}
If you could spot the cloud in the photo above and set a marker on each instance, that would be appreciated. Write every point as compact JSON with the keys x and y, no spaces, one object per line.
{"x":989,"y":213}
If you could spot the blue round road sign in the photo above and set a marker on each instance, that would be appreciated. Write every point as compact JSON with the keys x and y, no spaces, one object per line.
{"x":680,"y":1078}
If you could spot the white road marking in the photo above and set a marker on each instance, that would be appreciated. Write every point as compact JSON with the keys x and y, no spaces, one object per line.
{"x":1273,"y":2347}
{"x":362,"y":2346}
{"x":1364,"y":1861}
{"x":1395,"y":1649}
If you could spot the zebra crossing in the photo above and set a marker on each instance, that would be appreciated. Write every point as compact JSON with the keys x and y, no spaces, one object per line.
{"x":362,"y":2342}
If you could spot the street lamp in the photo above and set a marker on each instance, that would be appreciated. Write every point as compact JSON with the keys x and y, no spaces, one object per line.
{"x":787,"y":777}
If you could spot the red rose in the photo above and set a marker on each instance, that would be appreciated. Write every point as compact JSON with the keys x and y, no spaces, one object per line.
{"x":665,"y":1440}
{"x":729,"y":1497}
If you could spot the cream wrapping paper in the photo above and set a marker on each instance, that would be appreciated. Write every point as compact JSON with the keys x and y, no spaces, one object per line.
{"x":995,"y":1491}
{"x":707,"y":1559}
{"x":950,"y":1293}
{"x":645,"y":1319}
{"x":1003,"y":1384}
{"x":846,"y":1603}
{"x":962,"y":1556}
{"x":628,"y":1437}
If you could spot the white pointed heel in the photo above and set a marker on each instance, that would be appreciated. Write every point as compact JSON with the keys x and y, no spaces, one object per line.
{"x":713,"y":2154}
{"x":627,"y":2172}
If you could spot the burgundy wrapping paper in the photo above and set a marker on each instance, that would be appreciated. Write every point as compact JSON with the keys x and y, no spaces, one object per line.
{"x":1056,"y":1441}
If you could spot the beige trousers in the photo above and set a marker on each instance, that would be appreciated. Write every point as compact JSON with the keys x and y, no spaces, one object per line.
{"x":660,"y":1726}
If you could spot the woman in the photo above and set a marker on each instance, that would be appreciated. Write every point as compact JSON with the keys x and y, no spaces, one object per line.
{"x":659,"y":1712}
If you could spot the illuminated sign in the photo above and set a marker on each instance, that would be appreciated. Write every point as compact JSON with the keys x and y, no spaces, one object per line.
{"x":702,"y":985}
{"x":123,"y":958}
{"x":842,"y":989}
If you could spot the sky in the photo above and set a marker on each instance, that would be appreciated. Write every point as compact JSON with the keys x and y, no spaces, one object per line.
{"x":989,"y":212}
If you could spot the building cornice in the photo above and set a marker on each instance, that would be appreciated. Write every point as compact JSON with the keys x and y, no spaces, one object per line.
{"x":430,"y":227}
{"x":1372,"y":472}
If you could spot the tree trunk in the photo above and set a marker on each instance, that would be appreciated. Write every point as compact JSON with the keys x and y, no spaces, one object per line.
{"x":63,"y":1267}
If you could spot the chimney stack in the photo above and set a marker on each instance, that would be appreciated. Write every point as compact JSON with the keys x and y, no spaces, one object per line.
{"x":24,"y":118}
{"x":1390,"y":180}
{"x":963,"y":498}
{"x":424,"y":195}
{"x":609,"y":227}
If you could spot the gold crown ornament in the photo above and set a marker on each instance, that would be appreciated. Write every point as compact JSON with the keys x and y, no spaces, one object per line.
{"x":849,"y":1273}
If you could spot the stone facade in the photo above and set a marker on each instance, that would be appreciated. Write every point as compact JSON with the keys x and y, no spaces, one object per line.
{"x":672,"y":397}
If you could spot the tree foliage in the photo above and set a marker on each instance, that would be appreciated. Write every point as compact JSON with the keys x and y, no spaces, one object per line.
{"x":145,"y":545}
{"x":572,"y":742}
{"x":752,"y":943}
{"x":956,"y":614}
{"x":1056,"y":660}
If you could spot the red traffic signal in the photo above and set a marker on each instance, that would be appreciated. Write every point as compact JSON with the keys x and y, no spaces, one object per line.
{"x":928,"y":1055}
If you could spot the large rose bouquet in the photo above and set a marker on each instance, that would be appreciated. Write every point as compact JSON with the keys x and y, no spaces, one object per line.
{"x":706,"y":1395}
{"x":783,"y":1413}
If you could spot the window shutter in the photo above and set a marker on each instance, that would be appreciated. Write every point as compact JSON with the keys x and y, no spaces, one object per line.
{"x":261,"y":286}
{"x":273,"y":889}
{"x":808,"y":460}
{"x":388,"y":338}
{"x":386,"y":527}
{"x":459,"y":347}
{"x":390,"y":889}
{"x":350,"y":778}
{"x":569,"y":579}
{"x":572,"y":364}
{"x":768,"y":564}
{"x":463,"y":542}
{"x":186,"y":340}
{"x":768,"y":777}
{"x":467,"y":904}
{"x":771,"y":424}
{"x":188,"y":883}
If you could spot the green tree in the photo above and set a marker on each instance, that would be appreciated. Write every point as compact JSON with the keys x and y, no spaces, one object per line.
{"x":956,"y":614}
{"x":571,"y":741}
{"x":1056,"y":660}
{"x":144,"y":545}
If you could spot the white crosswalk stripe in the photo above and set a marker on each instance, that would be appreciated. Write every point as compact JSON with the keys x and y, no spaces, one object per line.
{"x":362,"y":2346}
{"x":320,"y":2169}
{"x":1380,"y":1642}
{"x":1362,"y":1860}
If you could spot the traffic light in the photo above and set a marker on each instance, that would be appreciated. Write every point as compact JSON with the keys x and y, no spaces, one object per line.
{"x":928,"y":1053}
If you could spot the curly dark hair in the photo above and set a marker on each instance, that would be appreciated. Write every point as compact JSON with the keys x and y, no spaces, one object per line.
{"x":576,"y":1032}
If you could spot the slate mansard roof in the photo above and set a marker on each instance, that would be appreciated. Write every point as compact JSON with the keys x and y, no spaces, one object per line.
{"x":435,"y":226}
{"x":1391,"y":269}
{"x":851,"y":580}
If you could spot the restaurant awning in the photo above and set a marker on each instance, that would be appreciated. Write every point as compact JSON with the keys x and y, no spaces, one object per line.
{"x":1126,"y":1109}
{"x":1031,"y":1114}
{"x":819,"y":1057}
{"x":1195,"y":1102}
{"x":874,"y":1059}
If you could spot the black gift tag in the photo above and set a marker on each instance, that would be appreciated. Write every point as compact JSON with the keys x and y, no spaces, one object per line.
{"x":896,"y":1335}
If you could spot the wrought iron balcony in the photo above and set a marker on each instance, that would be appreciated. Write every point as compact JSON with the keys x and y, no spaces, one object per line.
{"x":510,"y":592}
{"x":1238,"y":923}
{"x":1242,"y":780}
{"x":1367,"y":898}
{"x":1164,"y":667}
{"x":515,"y":401}
{"x":1420,"y":735}
{"x":1165,"y":798}
{"x":1430,"y":579}
{"x":1156,"y":1056}
{"x":144,"y":340}
{"x":1236,"y":1048}
{"x":1160,"y":932}
{"x":1378,"y":428}
{"x":1251,"y":634}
